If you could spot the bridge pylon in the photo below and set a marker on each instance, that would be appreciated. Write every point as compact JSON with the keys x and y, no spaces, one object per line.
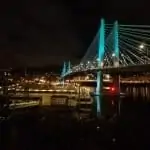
{"x":100,"y":52}
{"x":63,"y":73}
{"x":69,"y":67}
{"x":116,"y":77}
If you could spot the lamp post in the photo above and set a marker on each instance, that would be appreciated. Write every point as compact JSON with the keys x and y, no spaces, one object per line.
{"x":143,"y":47}
{"x":115,"y":63}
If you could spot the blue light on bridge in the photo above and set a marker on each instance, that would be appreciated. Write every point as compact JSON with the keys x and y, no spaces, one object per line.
{"x":100,"y":59}
{"x":120,"y":49}
{"x":101,"y":43}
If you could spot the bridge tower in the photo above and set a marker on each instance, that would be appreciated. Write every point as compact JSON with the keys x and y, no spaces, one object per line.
{"x":63,"y":73}
{"x":116,"y":77}
{"x":101,"y":46}
{"x":69,"y":67}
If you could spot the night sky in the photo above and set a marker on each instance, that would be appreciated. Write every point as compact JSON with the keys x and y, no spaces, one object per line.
{"x":37,"y":33}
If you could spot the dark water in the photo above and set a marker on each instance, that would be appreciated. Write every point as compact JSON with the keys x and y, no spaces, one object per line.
{"x":124,"y":124}
{"x":137,"y":91}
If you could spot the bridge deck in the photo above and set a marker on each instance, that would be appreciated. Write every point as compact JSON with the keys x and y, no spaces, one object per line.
{"x":116,"y":70}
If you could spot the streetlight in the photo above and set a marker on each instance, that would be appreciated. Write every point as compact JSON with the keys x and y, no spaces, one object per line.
{"x":115,"y":60}
{"x":142,"y":47}
{"x":113,"y":55}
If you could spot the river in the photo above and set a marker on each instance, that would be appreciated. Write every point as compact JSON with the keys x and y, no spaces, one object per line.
{"x":124,"y":124}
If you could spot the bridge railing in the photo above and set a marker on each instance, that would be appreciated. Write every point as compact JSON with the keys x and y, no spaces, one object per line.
{"x":78,"y":68}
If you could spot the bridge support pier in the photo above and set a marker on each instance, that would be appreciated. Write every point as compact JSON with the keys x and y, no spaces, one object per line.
{"x":99,"y":91}
{"x":99,"y":82}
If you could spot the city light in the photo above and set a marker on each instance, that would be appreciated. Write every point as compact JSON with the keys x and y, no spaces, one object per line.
{"x":42,"y":80}
{"x":107,"y":76}
{"x":112,"y":89}
{"x":87,"y":78}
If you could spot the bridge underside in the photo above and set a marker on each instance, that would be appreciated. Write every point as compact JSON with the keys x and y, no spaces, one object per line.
{"x":122,"y":71}
{"x":81,"y":73}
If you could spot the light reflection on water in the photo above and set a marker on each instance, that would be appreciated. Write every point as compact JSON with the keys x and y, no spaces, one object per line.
{"x":107,"y":106}
{"x":110,"y":106}
{"x":138,"y":91}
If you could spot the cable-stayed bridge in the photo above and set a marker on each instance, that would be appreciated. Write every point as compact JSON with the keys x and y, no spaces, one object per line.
{"x":115,"y":46}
